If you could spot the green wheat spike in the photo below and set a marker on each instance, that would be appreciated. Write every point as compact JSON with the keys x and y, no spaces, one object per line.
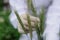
{"x":31,"y":6}
{"x":33,"y":9}
{"x":19,"y":19}
{"x":30,"y":27}
{"x":37,"y":30}
{"x":42,"y":18}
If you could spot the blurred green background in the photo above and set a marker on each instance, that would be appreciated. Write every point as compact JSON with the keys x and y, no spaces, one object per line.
{"x":7,"y":32}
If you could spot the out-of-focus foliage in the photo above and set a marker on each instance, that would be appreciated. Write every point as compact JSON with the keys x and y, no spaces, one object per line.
{"x":1,"y":5}
{"x":7,"y":32}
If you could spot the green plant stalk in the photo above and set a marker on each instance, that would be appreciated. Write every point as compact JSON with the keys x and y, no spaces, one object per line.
{"x":30,"y":27}
{"x":19,"y":19}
